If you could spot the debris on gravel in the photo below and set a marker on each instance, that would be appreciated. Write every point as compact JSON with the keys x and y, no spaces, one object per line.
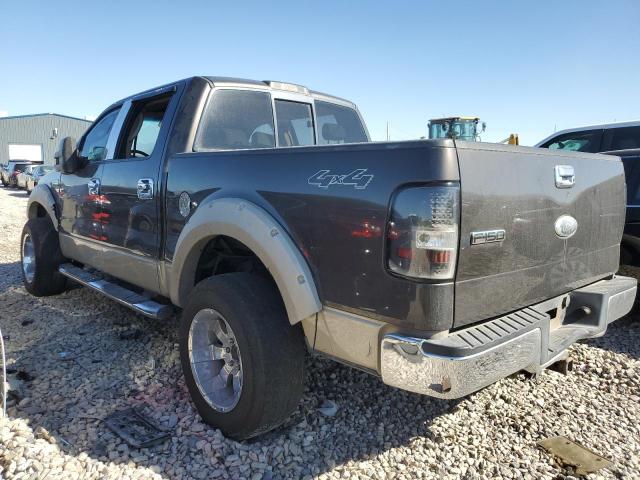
{"x":55,"y":425}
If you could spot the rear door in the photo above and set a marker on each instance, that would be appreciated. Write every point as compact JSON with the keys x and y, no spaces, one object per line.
{"x":131,"y":183}
{"x":515,"y":190}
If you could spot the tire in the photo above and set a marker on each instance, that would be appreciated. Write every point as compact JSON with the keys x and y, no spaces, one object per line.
{"x":41,"y":277}
{"x":271,"y":353}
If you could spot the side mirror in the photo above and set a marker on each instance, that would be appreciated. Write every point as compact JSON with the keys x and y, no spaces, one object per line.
{"x":67,"y":157}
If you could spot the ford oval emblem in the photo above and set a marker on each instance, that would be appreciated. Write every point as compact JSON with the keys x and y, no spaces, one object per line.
{"x":566,"y":226}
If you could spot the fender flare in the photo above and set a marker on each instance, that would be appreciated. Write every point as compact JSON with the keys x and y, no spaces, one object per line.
{"x":43,"y":197}
{"x":254,"y":227}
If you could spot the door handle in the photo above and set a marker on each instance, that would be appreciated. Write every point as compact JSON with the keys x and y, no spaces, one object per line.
{"x":145,"y":188}
{"x":93,"y":186}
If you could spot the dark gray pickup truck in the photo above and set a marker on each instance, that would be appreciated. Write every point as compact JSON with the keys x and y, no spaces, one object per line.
{"x":263,"y":212}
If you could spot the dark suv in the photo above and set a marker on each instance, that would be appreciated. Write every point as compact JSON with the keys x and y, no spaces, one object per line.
{"x":595,"y":138}
{"x":621,"y":140}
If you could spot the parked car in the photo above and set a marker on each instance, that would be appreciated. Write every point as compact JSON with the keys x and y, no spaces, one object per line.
{"x":630,"y":245}
{"x":620,"y":139}
{"x":595,"y":138}
{"x":36,"y":174}
{"x":12,"y":170}
{"x":24,"y":175}
{"x":441,"y":266}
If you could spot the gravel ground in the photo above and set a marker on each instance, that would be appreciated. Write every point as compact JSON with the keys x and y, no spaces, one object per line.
{"x":118,"y":360}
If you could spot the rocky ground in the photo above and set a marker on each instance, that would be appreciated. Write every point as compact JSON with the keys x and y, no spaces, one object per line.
{"x":113,"y":359}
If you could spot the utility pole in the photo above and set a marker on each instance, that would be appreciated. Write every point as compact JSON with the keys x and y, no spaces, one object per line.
{"x":387,"y":131}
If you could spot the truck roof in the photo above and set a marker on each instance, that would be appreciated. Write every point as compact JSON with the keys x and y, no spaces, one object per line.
{"x":219,"y":81}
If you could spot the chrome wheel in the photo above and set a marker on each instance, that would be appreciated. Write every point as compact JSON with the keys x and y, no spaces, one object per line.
{"x":28,"y":258}
{"x":215,"y":360}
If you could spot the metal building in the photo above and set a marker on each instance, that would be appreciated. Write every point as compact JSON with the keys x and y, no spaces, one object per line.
{"x":36,"y":137}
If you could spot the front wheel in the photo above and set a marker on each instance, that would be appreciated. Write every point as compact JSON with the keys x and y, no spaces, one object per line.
{"x":243,"y":362}
{"x":40,"y":258}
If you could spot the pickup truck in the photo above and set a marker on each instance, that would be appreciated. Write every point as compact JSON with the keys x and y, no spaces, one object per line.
{"x":262,"y":212}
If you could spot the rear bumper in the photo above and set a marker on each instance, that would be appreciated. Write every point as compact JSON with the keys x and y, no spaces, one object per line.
{"x":467,"y":360}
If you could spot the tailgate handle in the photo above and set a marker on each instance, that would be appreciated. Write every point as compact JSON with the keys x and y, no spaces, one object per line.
{"x":565,"y":176}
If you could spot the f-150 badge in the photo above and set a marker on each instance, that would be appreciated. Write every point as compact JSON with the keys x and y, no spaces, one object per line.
{"x":357,"y":179}
{"x":487,"y":236}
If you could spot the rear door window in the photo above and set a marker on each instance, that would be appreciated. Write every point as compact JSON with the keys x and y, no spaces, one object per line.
{"x":338,"y":124}
{"x":295,"y":123}
{"x":624,"y":138}
{"x":236,"y":119}
{"x":586,"y":141}
{"x":632,"y":174}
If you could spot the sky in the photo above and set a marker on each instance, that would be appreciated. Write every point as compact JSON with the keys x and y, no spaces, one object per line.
{"x":523,"y":67}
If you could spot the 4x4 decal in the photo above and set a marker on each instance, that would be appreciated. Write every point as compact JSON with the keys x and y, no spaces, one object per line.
{"x":357,"y":179}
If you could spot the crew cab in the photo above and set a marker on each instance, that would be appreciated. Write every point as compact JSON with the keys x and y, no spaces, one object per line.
{"x":261,"y":212}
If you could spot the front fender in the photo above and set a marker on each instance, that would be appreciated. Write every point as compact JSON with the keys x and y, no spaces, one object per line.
{"x":42,"y":196}
{"x":259,"y":231}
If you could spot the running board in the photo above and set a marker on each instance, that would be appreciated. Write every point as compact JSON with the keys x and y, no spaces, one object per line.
{"x":123,"y":296}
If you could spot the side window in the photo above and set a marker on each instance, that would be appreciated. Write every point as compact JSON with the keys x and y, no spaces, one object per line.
{"x":587,"y":141}
{"x":338,"y":124}
{"x":235,"y":119}
{"x":95,"y":141}
{"x":139,"y":137}
{"x":625,"y":138}
{"x":295,"y":123}
{"x":632,"y":174}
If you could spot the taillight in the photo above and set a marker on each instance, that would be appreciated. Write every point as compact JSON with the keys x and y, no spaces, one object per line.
{"x":422,"y":235}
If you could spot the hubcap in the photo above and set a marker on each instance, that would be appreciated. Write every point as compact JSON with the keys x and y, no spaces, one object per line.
{"x":215,"y":360}
{"x":28,"y":258}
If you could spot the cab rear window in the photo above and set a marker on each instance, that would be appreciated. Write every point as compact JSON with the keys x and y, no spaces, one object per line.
{"x":338,"y":124}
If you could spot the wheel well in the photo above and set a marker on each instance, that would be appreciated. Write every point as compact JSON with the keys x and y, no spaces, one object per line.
{"x":224,"y":254}
{"x":36,"y":210}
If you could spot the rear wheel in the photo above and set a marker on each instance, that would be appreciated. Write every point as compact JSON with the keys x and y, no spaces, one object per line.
{"x":242,"y":360}
{"x":40,"y":258}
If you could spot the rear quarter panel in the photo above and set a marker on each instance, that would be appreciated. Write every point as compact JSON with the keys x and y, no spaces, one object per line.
{"x":326,"y":221}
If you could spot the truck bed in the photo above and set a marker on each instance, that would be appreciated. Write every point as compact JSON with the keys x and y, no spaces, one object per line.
{"x":334,"y":202}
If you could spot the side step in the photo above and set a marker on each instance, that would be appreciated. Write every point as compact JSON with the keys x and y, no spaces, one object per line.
{"x":123,"y":296}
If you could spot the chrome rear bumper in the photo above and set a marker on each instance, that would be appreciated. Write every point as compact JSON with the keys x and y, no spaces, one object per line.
{"x":467,"y":360}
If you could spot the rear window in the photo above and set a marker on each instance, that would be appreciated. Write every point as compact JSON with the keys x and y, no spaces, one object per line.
{"x":632,"y":175}
{"x":20,"y":167}
{"x":625,"y":138}
{"x":338,"y":124}
{"x":236,"y":119}
{"x":295,"y":123}
{"x":587,"y":141}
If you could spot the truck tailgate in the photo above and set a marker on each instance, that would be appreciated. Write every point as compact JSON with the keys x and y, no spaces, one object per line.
{"x":514,"y":189}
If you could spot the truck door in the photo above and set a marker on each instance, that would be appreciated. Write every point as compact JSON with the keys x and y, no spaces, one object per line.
{"x":131,"y":182}
{"x":78,"y":192}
